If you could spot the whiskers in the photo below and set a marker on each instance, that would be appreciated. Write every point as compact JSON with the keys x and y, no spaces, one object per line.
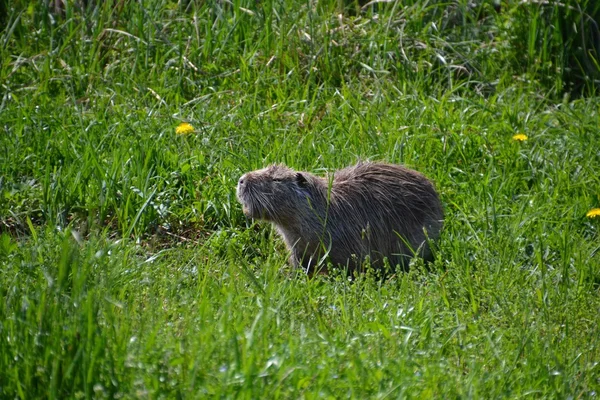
{"x":257,"y":203}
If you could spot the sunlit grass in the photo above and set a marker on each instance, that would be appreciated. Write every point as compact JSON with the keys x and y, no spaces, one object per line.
{"x":128,"y":270}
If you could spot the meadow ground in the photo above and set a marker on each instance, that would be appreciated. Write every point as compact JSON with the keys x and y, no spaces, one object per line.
{"x":127,"y":269}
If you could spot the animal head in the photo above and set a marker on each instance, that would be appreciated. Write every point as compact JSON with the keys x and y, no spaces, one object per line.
{"x":275,"y":193}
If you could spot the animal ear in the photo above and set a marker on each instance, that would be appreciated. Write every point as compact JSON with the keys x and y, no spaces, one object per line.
{"x":301,"y":179}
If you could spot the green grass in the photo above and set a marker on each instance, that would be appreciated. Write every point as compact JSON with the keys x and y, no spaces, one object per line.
{"x":127,"y":269}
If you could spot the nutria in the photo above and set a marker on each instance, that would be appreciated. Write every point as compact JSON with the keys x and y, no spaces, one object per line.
{"x":370,"y":209}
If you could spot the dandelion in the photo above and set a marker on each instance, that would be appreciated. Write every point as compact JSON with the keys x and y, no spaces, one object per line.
{"x":184,"y":129}
{"x":520,"y":137}
{"x":593,"y":213}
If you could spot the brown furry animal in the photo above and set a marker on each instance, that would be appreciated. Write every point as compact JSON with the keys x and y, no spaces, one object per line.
{"x":369,"y":209}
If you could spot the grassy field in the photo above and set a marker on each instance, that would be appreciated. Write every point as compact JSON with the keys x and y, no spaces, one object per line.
{"x":127,"y":269}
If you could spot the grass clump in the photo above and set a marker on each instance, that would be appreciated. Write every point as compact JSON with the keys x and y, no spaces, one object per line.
{"x":128,"y":270}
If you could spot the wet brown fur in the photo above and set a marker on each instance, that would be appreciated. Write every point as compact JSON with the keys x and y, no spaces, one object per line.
{"x":369,"y":209}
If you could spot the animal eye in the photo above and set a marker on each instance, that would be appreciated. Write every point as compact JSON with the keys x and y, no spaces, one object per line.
{"x":277,"y":180}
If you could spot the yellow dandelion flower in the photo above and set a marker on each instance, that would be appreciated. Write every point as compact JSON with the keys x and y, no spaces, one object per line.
{"x":520,"y":137}
{"x":184,"y":129}
{"x":593,"y":213}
